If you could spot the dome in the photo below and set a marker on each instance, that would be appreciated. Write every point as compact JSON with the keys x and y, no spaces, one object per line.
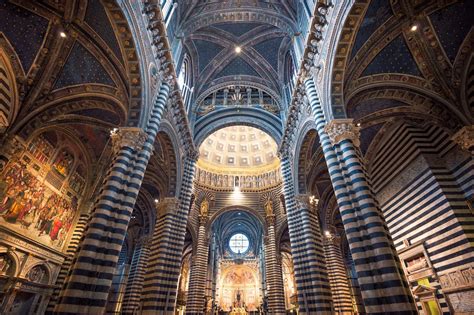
{"x":238,"y":148}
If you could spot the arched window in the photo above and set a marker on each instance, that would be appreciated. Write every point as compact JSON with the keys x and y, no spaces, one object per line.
{"x":290,"y":74}
{"x":184,"y":81}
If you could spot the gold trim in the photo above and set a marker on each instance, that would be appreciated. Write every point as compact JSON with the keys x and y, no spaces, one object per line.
{"x":236,"y":171}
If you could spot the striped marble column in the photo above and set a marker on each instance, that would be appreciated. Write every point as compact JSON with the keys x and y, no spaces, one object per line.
{"x":131,"y":300}
{"x":196,"y":300}
{"x":340,"y":288}
{"x":160,"y":288}
{"x":383,"y":287}
{"x":312,"y":284}
{"x":275,"y":289}
{"x":71,"y":251}
{"x":90,"y":278}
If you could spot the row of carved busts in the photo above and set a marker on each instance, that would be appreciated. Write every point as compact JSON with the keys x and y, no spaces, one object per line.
{"x":226,"y":181}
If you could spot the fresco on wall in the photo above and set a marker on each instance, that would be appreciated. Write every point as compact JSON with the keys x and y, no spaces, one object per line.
{"x":38,"y":193}
{"x":239,"y":285}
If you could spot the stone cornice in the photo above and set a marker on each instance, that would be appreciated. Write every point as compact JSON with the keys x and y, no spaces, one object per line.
{"x":132,"y":137}
{"x":465,"y":138}
{"x":167,"y":73}
{"x":308,"y":69}
{"x":294,"y":116}
{"x":343,"y":129}
{"x":239,"y":15}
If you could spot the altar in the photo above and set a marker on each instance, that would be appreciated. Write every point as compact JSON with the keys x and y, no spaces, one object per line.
{"x":238,"y":311}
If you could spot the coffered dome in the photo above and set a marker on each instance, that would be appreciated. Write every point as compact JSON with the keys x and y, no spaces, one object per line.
{"x":238,"y":147}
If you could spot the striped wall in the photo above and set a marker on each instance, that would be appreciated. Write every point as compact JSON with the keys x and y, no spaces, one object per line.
{"x":338,"y":280}
{"x":383,"y":285}
{"x":90,"y":278}
{"x":252,"y":199}
{"x":71,"y":252}
{"x":312,"y":284}
{"x":198,"y":277}
{"x":161,"y":279}
{"x":6,"y":93}
{"x":274,"y":278}
{"x":131,"y":300}
{"x":425,"y":201}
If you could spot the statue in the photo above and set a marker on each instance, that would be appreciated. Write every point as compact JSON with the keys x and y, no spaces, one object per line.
{"x":268,"y":208}
{"x":204,"y":207}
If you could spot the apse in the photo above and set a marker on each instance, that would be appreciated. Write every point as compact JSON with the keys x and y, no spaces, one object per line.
{"x":237,"y":236}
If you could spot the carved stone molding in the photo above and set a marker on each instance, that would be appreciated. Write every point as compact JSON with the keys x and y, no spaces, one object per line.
{"x":167,"y":205}
{"x":203,"y":219}
{"x":332,"y":239}
{"x":132,"y":137}
{"x":458,"y":280}
{"x":145,"y":240}
{"x":302,"y":202}
{"x":465,"y":138}
{"x":12,"y":146}
{"x":343,"y":129}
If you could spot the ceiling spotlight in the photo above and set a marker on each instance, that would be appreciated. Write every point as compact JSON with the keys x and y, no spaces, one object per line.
{"x":156,"y":200}
{"x":414,"y":28}
{"x":63,"y":34}
{"x":327,"y":233}
{"x":358,"y":124}
{"x":238,"y":49}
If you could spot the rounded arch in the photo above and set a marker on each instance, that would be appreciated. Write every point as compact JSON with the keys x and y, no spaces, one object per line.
{"x":169,"y":140}
{"x":86,"y":152}
{"x":252,"y":117}
{"x":306,"y":138}
{"x":223,"y":210}
{"x":41,"y":265}
{"x":15,"y":259}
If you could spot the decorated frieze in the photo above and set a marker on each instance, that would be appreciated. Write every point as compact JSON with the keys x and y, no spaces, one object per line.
{"x":458,"y":280}
{"x":131,"y":137}
{"x":343,"y":129}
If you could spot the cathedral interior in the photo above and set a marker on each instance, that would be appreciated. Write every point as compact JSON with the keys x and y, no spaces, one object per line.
{"x":236,"y":157}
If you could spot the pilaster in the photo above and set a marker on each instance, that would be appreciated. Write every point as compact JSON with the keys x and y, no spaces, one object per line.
{"x":465,"y":138}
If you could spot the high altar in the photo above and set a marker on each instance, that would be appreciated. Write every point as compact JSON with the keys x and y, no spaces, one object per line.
{"x":239,"y":289}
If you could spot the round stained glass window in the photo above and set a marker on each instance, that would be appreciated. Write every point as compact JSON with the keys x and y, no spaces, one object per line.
{"x":239,"y":243}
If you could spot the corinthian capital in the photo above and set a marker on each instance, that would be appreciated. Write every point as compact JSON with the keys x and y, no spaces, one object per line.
{"x":303,"y":202}
{"x":465,"y":138}
{"x":343,"y":129}
{"x":131,"y":137}
{"x":167,"y":205}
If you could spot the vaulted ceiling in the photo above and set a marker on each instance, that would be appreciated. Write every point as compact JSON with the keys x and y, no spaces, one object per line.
{"x":211,"y":30}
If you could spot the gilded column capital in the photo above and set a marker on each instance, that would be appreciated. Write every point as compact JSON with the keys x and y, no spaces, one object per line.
{"x":167,"y":205}
{"x":465,"y":138}
{"x":343,"y":129}
{"x":303,"y":201}
{"x":270,"y":220}
{"x":145,"y":240}
{"x":12,"y":146}
{"x":132,"y":137}
{"x":192,"y":154}
{"x":203,"y":219}
{"x":332,"y":238}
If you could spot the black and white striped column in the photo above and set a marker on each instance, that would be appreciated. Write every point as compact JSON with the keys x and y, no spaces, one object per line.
{"x":274,"y":276}
{"x":383,"y":287}
{"x":71,"y":251}
{"x":90,"y":278}
{"x":196,"y":299}
{"x":312,"y":283}
{"x":141,"y":253}
{"x":338,"y":280}
{"x":161,"y":279}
